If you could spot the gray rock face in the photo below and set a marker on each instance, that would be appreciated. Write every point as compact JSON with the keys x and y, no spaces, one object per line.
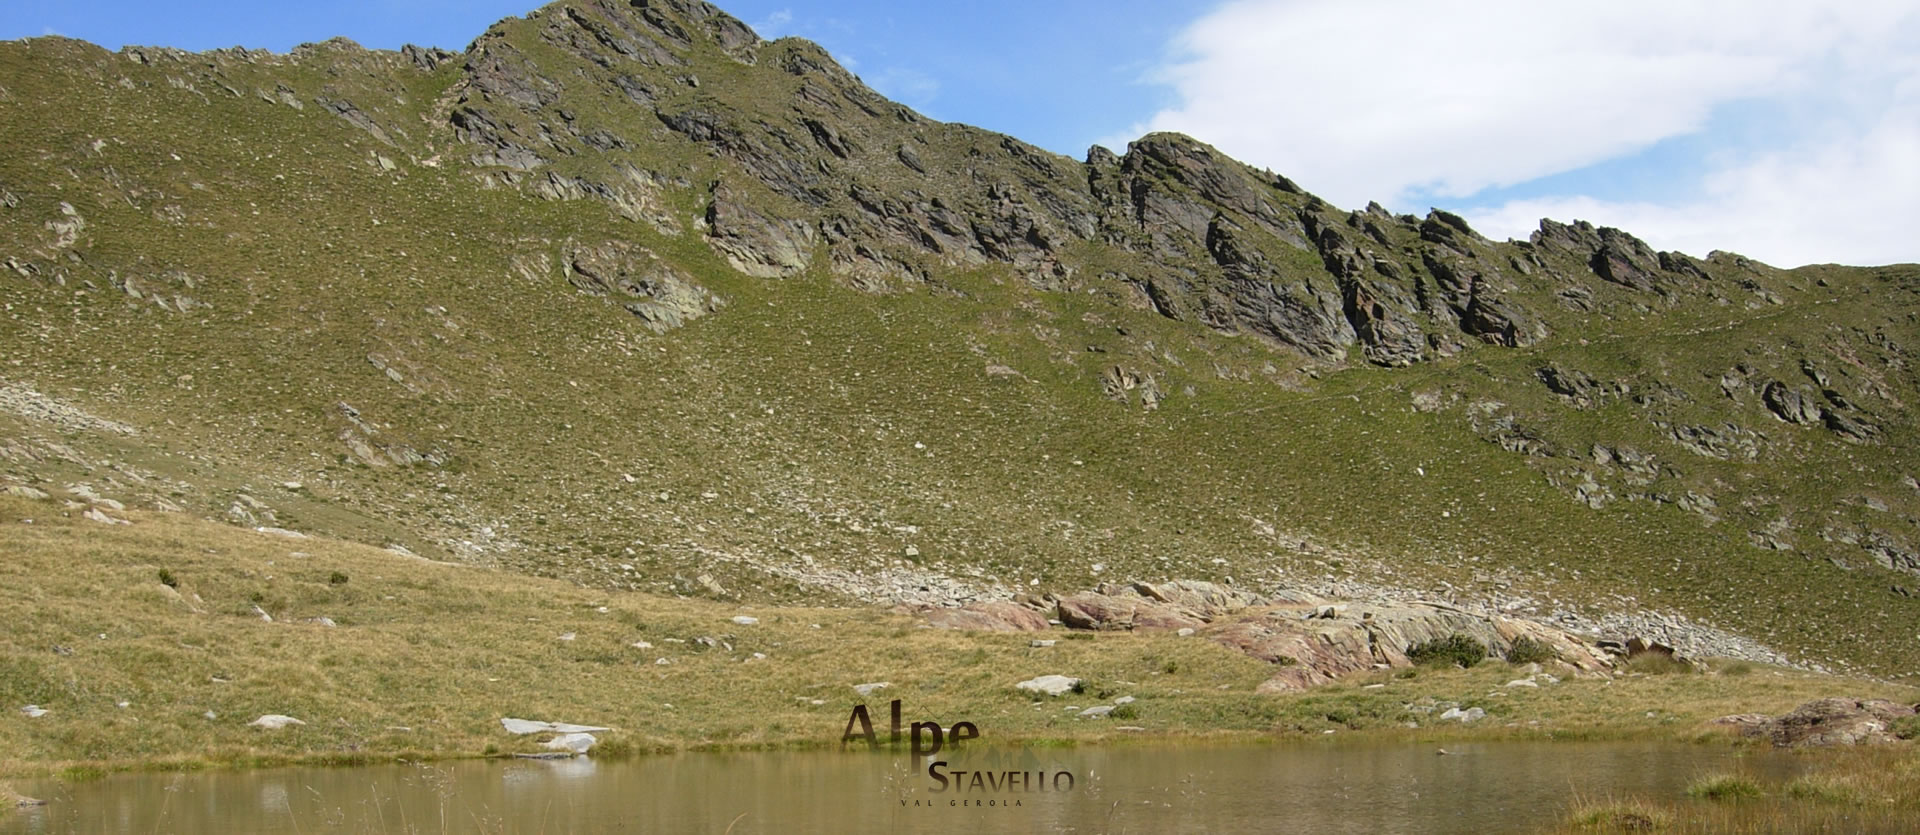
{"x":754,"y":242}
{"x":1789,"y":405}
{"x":662,"y":296}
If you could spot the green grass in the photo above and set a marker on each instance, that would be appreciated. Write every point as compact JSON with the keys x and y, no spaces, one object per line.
{"x":556,"y":421}
{"x":1724,"y":787}
{"x":1656,"y":664}
{"x":427,"y":657}
{"x":1619,"y":816}
{"x":1863,"y":789}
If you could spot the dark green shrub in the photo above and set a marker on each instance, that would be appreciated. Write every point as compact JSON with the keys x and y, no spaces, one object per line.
{"x":338,"y":578}
{"x":1454,"y":650}
{"x":1526,"y":650}
{"x":167,"y":579}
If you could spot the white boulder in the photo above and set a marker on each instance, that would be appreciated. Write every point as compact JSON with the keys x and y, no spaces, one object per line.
{"x":1051,"y":685}
{"x":274,"y":722}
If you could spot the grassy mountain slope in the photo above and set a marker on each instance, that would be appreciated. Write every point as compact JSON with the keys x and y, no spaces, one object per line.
{"x":625,"y":296}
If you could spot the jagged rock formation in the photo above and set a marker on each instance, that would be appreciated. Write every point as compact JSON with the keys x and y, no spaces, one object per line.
{"x":823,"y":167}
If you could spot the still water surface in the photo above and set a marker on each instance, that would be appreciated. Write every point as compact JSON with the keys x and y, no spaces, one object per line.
{"x":1479,"y":788}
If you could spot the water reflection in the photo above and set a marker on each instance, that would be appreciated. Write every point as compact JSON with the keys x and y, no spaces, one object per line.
{"x":1322,"y":789}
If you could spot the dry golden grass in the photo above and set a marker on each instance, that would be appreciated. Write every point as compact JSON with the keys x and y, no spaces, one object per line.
{"x":1871,"y":789}
{"x":427,"y":657}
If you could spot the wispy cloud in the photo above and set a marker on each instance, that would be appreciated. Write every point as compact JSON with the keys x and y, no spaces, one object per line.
{"x":915,"y":88}
{"x":775,"y":25}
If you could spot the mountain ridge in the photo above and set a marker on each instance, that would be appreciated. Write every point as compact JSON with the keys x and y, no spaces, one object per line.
{"x":496,"y":305}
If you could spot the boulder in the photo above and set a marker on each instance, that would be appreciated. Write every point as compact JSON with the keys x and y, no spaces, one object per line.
{"x":578,"y":743}
{"x":1048,"y":685}
{"x":95,"y":515}
{"x":1791,"y":406}
{"x":274,"y":722}
{"x":1823,"y":723}
{"x":529,"y":726}
{"x":868,"y":689}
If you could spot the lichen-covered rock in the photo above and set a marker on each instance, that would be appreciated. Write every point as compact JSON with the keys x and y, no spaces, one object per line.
{"x":990,"y":616}
{"x":1824,"y":722}
{"x":755,"y":242}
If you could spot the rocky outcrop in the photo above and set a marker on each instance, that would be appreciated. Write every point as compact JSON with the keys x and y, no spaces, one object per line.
{"x":990,"y":616}
{"x":662,"y":296}
{"x":755,"y":242}
{"x":1147,"y":606}
{"x":1790,"y":405}
{"x":818,"y":164}
{"x":1317,"y":643}
{"x":1309,"y":640}
{"x":1824,"y":723}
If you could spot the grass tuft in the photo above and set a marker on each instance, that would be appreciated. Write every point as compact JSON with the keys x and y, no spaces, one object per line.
{"x":1839,"y":789}
{"x":1725,"y":787}
{"x":1655,"y":664}
{"x":1620,"y":816}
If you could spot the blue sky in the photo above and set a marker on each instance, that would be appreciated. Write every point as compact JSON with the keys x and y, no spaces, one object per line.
{"x":1782,"y":129}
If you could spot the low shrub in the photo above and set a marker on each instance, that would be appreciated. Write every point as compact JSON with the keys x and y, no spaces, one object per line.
{"x":1455,"y":650}
{"x":1526,"y":650}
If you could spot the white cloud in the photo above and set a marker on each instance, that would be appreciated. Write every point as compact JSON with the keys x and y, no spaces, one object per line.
{"x":775,"y":25}
{"x":1399,"y":99}
{"x":1852,"y":200}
